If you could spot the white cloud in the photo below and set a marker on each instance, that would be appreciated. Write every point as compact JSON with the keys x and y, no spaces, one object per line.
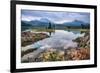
{"x":29,"y":18}
{"x":57,"y":17}
{"x":63,"y":21}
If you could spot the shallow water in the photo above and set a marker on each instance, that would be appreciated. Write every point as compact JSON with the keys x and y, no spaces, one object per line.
{"x":60,"y":39}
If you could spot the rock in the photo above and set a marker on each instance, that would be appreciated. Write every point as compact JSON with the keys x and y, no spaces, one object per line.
{"x":32,"y":56}
{"x":82,"y":51}
{"x":24,"y":52}
{"x":28,"y":37}
{"x":83,"y":41}
{"x":52,"y":55}
{"x":78,"y":54}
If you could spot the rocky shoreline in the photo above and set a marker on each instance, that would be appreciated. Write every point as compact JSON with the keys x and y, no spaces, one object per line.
{"x":81,"y":52}
{"x":29,"y":37}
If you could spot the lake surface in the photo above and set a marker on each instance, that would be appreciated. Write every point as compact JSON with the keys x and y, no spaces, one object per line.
{"x":60,"y":39}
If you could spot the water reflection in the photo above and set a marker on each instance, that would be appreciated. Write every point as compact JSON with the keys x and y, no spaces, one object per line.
{"x":59,"y":39}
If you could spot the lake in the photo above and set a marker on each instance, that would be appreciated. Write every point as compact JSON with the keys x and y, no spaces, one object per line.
{"x":60,"y":39}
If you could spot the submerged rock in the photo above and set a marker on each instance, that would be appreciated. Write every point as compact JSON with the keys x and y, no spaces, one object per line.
{"x":66,"y":52}
{"x":83,"y":41}
{"x":28,"y":37}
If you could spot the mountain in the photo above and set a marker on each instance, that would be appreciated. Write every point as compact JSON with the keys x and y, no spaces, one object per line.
{"x":44,"y":20}
{"x":25,"y":25}
{"x":37,"y":23}
{"x":75,"y":23}
{"x":44,"y":23}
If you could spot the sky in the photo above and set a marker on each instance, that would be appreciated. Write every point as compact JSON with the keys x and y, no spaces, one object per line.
{"x":55,"y":16}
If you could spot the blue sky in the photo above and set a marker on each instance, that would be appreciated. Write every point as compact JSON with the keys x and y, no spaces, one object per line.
{"x":57,"y":17}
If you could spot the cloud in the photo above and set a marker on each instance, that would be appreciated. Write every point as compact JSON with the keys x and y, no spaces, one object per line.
{"x":29,"y":18}
{"x":55,"y":16}
{"x":62,"y":21}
